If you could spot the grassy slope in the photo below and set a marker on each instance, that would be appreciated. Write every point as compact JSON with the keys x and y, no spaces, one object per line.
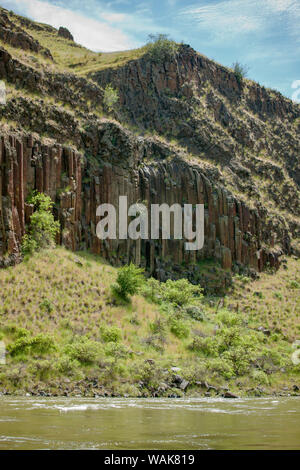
{"x":54,"y":295}
{"x":68,"y":56}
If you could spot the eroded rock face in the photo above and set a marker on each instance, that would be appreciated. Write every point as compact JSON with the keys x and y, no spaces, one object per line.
{"x":248,"y":130}
{"x":244,"y":165}
{"x":65,"y":33}
{"x":15,"y":36}
{"x":233,"y":232}
{"x":69,"y":88}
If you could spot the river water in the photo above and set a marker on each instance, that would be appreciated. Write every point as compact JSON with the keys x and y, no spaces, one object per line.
{"x":169,"y":424}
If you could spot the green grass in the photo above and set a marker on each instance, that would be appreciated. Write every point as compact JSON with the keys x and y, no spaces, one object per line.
{"x":64,"y":331}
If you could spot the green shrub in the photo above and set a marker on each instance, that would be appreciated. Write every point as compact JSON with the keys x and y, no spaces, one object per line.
{"x":221,"y":367}
{"x":260,"y":377}
{"x":160,"y":48}
{"x":22,"y":333}
{"x":110,"y":97}
{"x":47,"y":306}
{"x":194,"y":312}
{"x":240,"y":71}
{"x":239,"y":358}
{"x":116,"y":350}
{"x":207,"y":346}
{"x":29,"y":245}
{"x":129,"y":280}
{"x":150,"y":375}
{"x":158,"y":327}
{"x":40,"y":344}
{"x":42,"y":228}
{"x":224,"y":317}
{"x":152,"y":290}
{"x":180,"y":292}
{"x":294,"y":285}
{"x":110,"y":334}
{"x":179,"y":328}
{"x":41,"y":369}
{"x":67,"y":365}
{"x":83,"y":350}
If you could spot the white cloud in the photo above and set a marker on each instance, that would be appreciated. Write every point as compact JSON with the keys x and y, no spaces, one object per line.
{"x":91,"y":33}
{"x":231,"y":18}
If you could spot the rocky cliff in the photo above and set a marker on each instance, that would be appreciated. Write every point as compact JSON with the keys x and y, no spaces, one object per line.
{"x":234,"y":233}
{"x":231,"y":145}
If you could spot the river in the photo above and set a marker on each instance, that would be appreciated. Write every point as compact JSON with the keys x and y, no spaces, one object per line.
{"x":125,"y":423}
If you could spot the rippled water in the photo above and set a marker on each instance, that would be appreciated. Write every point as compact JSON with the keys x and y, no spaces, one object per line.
{"x":65,"y":423}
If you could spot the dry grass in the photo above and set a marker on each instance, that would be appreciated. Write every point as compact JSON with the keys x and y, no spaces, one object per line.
{"x":273,"y":301}
{"x":67,"y":295}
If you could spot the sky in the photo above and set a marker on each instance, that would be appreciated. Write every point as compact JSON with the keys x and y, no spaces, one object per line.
{"x":262,"y":34}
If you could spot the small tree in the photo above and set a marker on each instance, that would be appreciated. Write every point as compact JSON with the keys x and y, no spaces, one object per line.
{"x":240,"y":71}
{"x":42,"y":228}
{"x":160,"y":47}
{"x":130,"y":279}
{"x":181,"y":292}
{"x":111,"y":96}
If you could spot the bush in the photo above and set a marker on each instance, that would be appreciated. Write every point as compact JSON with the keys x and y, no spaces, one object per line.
{"x":194,"y":312}
{"x":179,"y":328}
{"x":207,"y":346}
{"x":83,"y":350}
{"x":158,"y":327}
{"x":110,"y":98}
{"x":160,"y":48}
{"x":227,"y":318}
{"x":240,"y":71}
{"x":294,"y":285}
{"x":130,"y":279}
{"x":180,"y":292}
{"x":260,"y":377}
{"x":116,"y":350}
{"x":27,"y":344}
{"x":222,"y":367}
{"x":152,"y":290}
{"x":41,"y":369}
{"x":66,"y":365}
{"x":47,"y":306}
{"x":42,"y":228}
{"x":111,"y":334}
{"x":29,"y":245}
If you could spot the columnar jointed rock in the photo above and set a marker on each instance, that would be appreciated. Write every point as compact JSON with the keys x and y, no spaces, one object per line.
{"x":232,"y":231}
{"x":26,"y":165}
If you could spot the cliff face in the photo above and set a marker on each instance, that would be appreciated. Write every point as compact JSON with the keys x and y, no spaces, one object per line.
{"x":228,"y":144}
{"x":248,"y":131}
{"x":233,"y":232}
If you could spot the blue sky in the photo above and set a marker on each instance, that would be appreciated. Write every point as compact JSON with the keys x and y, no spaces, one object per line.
{"x":264,"y":34}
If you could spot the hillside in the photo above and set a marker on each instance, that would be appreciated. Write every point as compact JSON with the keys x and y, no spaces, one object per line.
{"x":236,"y":138}
{"x":64,"y":334}
{"x":161,"y":124}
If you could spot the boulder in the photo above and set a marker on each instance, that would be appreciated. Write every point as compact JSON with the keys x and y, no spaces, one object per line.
{"x":65,"y":33}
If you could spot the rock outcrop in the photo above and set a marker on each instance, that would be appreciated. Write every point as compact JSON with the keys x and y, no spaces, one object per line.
{"x":65,"y":33}
{"x":233,"y":232}
{"x":17,"y":37}
{"x":228,"y":144}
